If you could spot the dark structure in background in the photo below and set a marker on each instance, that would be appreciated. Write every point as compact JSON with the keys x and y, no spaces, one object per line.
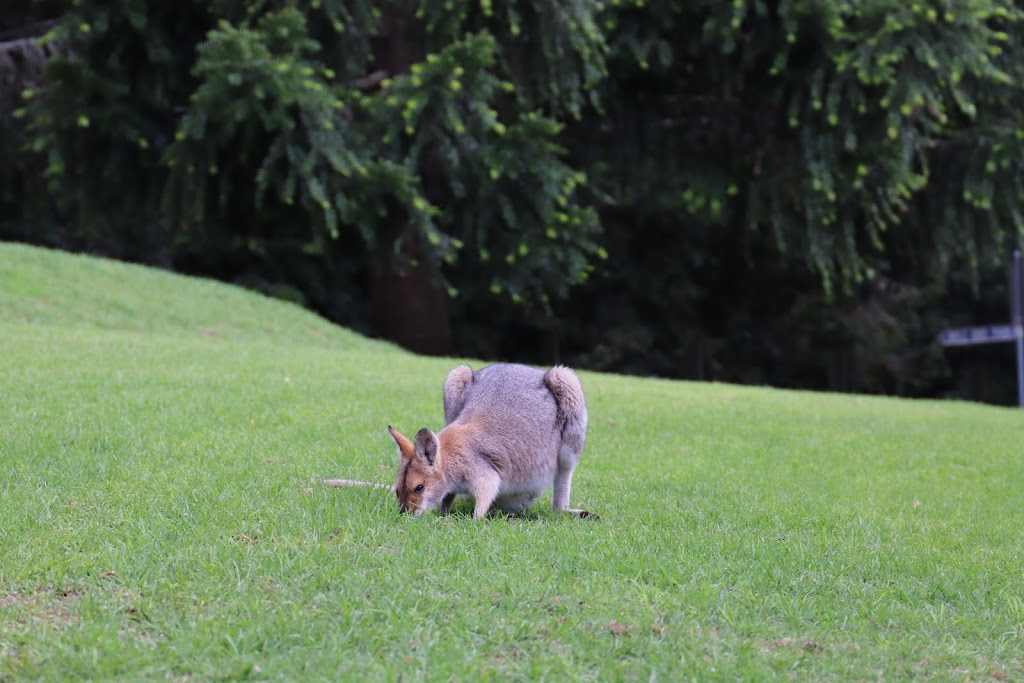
{"x":999,"y":334}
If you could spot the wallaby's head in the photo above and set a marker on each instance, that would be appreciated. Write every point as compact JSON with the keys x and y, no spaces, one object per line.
{"x":421,"y":485}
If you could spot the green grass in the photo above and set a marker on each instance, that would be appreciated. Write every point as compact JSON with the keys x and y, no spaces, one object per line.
{"x":158,"y":437}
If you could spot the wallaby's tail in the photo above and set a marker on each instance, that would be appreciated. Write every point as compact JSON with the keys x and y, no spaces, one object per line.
{"x":455,"y":385}
{"x":572,"y":410}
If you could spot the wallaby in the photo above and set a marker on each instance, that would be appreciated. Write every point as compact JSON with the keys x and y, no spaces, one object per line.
{"x":510,"y":432}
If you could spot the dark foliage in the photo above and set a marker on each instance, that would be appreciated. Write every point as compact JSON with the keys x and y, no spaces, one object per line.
{"x":799,"y":194}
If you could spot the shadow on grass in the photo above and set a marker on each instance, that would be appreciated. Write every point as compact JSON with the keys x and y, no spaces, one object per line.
{"x":463,"y":509}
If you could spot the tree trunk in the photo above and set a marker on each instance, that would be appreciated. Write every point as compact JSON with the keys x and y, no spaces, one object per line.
{"x":407,"y":303}
{"x":408,"y":307}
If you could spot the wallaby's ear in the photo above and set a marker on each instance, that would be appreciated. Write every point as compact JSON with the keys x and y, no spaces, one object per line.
{"x":426,"y":445}
{"x":405,"y":448}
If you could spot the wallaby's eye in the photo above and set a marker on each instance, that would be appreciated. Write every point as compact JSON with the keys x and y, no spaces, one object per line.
{"x":419,"y":489}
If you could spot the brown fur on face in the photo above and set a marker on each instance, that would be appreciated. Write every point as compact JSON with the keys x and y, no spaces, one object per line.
{"x":411,"y":484}
{"x":419,"y":486}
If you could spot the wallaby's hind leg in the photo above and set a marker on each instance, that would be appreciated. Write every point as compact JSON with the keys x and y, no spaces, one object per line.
{"x":572,"y":415}
{"x":560,"y":494}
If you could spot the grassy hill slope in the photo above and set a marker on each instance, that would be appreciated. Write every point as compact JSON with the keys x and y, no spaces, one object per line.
{"x":159,"y":435}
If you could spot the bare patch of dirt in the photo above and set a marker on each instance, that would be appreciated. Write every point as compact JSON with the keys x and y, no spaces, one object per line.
{"x":43,"y":606}
{"x":617,"y":629}
{"x":777,"y":644}
{"x":58,"y":607}
{"x":783,"y":643}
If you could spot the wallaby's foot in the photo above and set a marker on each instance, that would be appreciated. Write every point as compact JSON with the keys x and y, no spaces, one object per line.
{"x":583,"y":514}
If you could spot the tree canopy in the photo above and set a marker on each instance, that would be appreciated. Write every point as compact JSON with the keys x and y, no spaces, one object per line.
{"x":685,"y":188}
{"x":828,"y":125}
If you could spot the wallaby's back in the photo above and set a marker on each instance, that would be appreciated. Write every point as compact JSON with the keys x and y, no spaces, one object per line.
{"x":525,"y":422}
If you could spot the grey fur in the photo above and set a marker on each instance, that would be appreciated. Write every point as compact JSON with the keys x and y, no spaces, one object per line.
{"x":511,"y":431}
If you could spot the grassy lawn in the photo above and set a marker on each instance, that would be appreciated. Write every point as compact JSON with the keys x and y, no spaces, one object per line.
{"x":159,"y":436}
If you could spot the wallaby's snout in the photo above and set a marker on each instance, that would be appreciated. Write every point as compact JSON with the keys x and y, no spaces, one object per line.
{"x":401,"y":503}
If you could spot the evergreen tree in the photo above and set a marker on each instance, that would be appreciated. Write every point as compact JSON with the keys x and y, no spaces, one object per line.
{"x":105,"y":114}
{"x":755,"y":154}
{"x":429,"y":132}
{"x":22,"y":65}
{"x":827,"y":125}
